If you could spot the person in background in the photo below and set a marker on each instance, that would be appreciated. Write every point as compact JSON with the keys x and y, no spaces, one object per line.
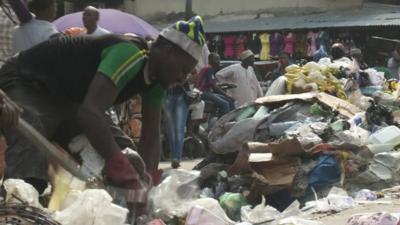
{"x":176,"y":112}
{"x":319,"y":54}
{"x":356,"y":54}
{"x":393,"y":63}
{"x":7,"y":23}
{"x":243,"y":76}
{"x":34,"y":30}
{"x":90,"y":19}
{"x":284,"y":61}
{"x":338,"y":51}
{"x":207,"y":84}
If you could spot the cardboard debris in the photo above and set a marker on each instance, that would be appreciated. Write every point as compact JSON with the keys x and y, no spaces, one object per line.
{"x":345,"y":108}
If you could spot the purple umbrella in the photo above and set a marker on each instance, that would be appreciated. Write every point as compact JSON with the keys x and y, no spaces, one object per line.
{"x":113,"y":20}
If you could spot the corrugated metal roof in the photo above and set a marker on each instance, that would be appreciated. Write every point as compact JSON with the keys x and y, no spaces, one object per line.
{"x":371,"y":14}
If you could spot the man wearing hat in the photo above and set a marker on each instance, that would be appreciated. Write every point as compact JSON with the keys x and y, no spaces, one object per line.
{"x":243,"y":76}
{"x":65,"y":85}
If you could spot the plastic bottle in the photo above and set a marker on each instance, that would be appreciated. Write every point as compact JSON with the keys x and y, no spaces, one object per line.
{"x":357,"y":119}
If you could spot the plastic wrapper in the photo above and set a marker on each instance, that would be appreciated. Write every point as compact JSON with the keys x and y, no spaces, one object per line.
{"x":213,"y":206}
{"x":173,"y":197}
{"x":232,"y":203}
{"x":18,"y":190}
{"x":365,"y":195}
{"x":260,"y":213}
{"x":373,"y":218}
{"x":294,"y":220}
{"x":336,"y":201}
{"x":90,"y":207}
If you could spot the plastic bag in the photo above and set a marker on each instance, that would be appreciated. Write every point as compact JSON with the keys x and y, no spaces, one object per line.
{"x":213,"y":206}
{"x":200,"y":216}
{"x":23,"y":191}
{"x":91,"y":207}
{"x":260,"y":213}
{"x":294,"y":220}
{"x":365,"y":195}
{"x":336,"y":201}
{"x":232,"y":203}
{"x":373,"y":218}
{"x":174,"y":195}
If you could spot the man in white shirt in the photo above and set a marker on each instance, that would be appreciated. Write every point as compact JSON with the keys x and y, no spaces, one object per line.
{"x":39,"y":28}
{"x":90,"y":18}
{"x":243,"y":76}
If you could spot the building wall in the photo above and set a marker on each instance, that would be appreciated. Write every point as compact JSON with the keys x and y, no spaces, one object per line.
{"x":150,"y":9}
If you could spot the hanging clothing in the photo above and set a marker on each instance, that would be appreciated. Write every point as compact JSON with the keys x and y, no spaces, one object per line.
{"x":217,"y":45}
{"x":241,"y":45}
{"x":255,"y":44}
{"x":277,"y":43}
{"x":323,"y":39}
{"x":301,"y":45}
{"x":312,"y":43}
{"x":264,"y":39}
{"x":229,"y":42}
{"x":290,"y":41}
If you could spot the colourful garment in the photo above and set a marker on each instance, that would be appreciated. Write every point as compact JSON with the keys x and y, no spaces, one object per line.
{"x":206,"y":79}
{"x":301,"y":45}
{"x":229,"y":41}
{"x":241,"y":45}
{"x":323,"y":39}
{"x":264,"y":55}
{"x":312,"y":43}
{"x":255,"y":44}
{"x":277,"y":43}
{"x":290,"y":40}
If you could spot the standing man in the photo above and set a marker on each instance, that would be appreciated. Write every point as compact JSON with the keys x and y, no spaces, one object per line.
{"x":243,"y":76}
{"x":65,"y":85}
{"x":90,"y":18}
{"x":35,"y":29}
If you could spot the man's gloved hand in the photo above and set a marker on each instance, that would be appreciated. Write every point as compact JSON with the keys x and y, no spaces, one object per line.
{"x":120,"y":171}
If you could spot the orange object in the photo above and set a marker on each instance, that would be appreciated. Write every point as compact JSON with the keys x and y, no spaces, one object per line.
{"x":75,"y":31}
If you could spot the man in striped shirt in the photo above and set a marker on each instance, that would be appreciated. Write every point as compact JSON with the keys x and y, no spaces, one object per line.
{"x":66,"y":84}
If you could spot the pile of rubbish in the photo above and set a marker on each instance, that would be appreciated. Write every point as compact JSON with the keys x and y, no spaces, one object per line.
{"x":277,"y":161}
{"x":285,"y":157}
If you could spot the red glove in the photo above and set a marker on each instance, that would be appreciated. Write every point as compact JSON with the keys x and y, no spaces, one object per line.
{"x":155,"y":176}
{"x":120,"y":171}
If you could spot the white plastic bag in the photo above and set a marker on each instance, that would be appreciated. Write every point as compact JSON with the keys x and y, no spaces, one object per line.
{"x":174,"y":196}
{"x":260,"y":213}
{"x":90,"y":207}
{"x":23,"y":192}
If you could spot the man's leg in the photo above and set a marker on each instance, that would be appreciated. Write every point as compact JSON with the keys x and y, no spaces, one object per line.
{"x":221,"y":103}
{"x":181,"y":115}
{"x":23,"y":160}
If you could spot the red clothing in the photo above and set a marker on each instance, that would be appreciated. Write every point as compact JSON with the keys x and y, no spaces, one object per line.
{"x":206,"y":80}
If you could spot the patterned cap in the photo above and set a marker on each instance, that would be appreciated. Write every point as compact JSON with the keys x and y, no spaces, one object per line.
{"x":188,"y":35}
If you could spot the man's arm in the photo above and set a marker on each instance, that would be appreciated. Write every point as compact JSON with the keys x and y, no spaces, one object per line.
{"x":21,"y":10}
{"x":150,"y":141}
{"x":225,"y":74}
{"x":100,"y":96}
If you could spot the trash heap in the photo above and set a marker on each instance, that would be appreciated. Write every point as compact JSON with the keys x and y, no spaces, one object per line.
{"x":282,"y":158}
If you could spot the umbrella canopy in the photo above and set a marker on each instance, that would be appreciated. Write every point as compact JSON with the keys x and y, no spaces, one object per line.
{"x":113,"y":20}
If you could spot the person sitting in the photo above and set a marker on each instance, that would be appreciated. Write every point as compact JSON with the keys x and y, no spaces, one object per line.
{"x":284,"y":61}
{"x":211,"y":92}
{"x":242,"y":75}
